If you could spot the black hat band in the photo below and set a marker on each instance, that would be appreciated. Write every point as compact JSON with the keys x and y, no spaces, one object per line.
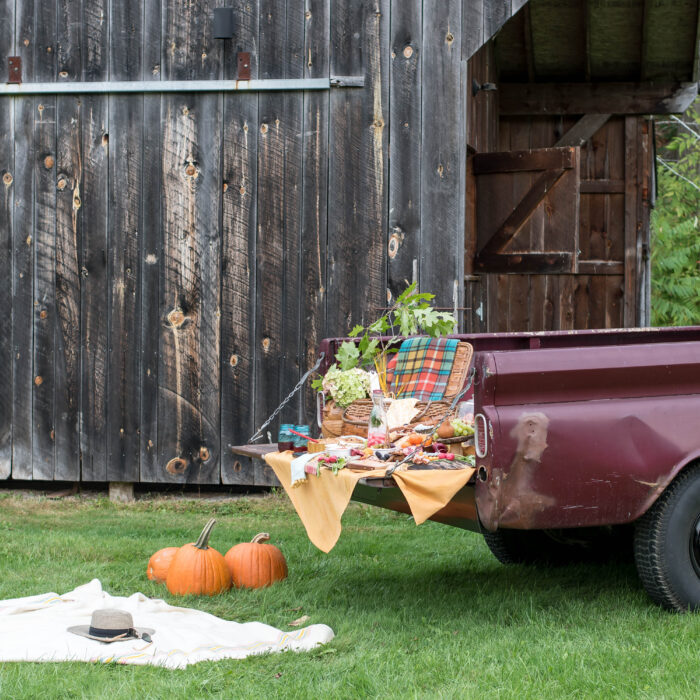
{"x":109,"y":633}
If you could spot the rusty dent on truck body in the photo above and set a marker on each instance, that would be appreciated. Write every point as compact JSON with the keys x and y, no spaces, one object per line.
{"x":584,"y":438}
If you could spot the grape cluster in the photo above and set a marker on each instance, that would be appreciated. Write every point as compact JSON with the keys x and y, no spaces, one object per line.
{"x":461,"y":428}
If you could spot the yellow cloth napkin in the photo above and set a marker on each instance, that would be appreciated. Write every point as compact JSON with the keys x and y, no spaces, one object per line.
{"x":321,"y":501}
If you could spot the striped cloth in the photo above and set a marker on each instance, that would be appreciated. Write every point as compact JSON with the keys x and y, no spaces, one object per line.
{"x":422,"y":368}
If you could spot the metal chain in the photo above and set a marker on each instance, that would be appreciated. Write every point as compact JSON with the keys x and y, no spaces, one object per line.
{"x":275,"y":413}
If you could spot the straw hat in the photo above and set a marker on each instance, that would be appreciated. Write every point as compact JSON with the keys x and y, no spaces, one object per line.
{"x":112,"y":625}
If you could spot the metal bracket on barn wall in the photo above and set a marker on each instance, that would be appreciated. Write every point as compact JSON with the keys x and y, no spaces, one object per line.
{"x":244,"y":65}
{"x":142,"y":86}
{"x":14,"y":70}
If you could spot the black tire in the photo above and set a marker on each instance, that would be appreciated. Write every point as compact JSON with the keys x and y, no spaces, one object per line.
{"x":667,"y":544}
{"x":558,"y":547}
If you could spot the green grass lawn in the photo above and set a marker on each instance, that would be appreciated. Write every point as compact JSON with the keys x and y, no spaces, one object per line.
{"x":417,"y":611}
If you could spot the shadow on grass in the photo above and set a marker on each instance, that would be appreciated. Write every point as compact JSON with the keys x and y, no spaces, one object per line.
{"x":495,"y":594}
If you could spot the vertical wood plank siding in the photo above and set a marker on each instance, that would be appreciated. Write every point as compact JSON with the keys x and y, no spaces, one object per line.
{"x":7,"y":189}
{"x":67,"y":328}
{"x":188,"y":372}
{"x":239,"y":229}
{"x":279,"y":211}
{"x":314,"y":225}
{"x":125,"y":143}
{"x":23,"y":253}
{"x":444,"y":154}
{"x":405,"y":132}
{"x":151,"y":248}
{"x":358,"y":153}
{"x":93,"y":213}
{"x":173,"y":260}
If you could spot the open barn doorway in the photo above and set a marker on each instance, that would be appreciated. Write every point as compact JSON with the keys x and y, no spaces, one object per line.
{"x":560,"y":162}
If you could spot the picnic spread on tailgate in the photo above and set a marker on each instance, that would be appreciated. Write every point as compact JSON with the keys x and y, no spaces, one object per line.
{"x":393,"y":406}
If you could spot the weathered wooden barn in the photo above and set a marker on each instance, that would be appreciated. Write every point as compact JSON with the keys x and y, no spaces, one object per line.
{"x":174,"y":249}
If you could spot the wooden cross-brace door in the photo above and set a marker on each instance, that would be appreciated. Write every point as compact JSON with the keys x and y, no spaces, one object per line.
{"x":527,"y":207}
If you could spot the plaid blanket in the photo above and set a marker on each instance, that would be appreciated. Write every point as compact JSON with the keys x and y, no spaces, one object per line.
{"x":422,"y":368}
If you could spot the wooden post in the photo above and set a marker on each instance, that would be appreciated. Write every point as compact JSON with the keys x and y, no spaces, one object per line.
{"x":121,"y":491}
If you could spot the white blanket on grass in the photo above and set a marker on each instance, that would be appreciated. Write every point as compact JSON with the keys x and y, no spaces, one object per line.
{"x":34,"y":629}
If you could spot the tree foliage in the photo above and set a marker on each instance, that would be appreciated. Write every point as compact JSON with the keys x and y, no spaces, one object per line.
{"x":675,"y":252}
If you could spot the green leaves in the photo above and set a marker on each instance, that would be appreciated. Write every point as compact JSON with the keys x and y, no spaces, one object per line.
{"x":348,"y":355}
{"x":675,"y":250}
{"x":368,"y":350}
{"x":435,"y":323}
{"x":411,"y":314}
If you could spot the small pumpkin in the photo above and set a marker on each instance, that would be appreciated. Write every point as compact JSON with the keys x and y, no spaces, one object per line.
{"x":198,"y":569}
{"x":159,"y":564}
{"x":256,"y":564}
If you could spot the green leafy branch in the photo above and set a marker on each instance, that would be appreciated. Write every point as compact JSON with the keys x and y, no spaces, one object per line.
{"x":410,"y":314}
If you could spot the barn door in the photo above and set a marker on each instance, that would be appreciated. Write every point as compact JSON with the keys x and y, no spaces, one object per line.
{"x":527,"y":211}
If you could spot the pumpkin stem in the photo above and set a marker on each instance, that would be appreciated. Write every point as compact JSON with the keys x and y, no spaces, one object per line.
{"x":203,"y":539}
{"x":260,"y":538}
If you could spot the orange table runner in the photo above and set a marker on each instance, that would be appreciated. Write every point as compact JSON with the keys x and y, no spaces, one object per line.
{"x":321,"y":500}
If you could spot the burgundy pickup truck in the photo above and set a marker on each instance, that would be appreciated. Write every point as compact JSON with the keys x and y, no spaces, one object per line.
{"x":587,"y":442}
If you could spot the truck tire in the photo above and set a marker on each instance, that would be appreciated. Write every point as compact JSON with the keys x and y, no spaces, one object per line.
{"x":560,"y":547}
{"x":667,"y":544}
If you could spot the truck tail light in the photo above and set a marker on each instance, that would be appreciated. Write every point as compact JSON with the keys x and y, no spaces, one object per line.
{"x":481,"y":444}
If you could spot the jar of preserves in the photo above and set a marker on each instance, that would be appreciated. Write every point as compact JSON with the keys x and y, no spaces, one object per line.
{"x":285,"y":439}
{"x":301,"y":443}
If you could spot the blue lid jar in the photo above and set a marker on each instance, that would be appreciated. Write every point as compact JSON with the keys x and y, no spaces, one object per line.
{"x":285,"y":438}
{"x":300,"y":441}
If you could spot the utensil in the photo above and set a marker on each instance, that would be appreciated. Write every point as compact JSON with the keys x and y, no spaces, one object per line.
{"x":306,"y":437}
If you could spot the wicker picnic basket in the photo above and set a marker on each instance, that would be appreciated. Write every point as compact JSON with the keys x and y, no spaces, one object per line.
{"x":332,"y":425}
{"x":356,"y":415}
{"x":460,"y":369}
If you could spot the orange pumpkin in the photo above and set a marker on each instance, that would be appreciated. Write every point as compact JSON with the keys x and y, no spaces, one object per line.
{"x":255,"y":564}
{"x":159,"y":564}
{"x":198,"y":569}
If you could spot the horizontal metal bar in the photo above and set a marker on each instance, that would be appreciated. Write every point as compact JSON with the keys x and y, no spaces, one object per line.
{"x":156,"y":86}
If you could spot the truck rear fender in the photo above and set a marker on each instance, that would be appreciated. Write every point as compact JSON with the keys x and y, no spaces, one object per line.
{"x":658,"y":487}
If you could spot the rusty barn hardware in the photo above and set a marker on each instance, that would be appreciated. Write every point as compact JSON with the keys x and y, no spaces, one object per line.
{"x":244,"y":65}
{"x":14,"y":70}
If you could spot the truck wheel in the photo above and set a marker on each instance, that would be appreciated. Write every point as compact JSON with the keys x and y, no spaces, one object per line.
{"x":667,"y":544}
{"x":559,"y":547}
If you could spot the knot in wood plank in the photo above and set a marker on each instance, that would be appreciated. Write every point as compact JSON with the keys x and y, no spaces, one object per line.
{"x":7,"y":179}
{"x":394,"y":243}
{"x":176,"y":318}
{"x":176,"y":466}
